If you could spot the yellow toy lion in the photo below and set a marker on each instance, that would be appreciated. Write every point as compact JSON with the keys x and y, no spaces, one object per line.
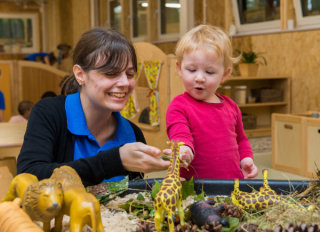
{"x":82,"y":207}
{"x":42,"y":200}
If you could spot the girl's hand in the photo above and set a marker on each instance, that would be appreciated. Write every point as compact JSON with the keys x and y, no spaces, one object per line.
{"x":248,"y":168}
{"x":185,"y":155}
{"x":139,"y":157}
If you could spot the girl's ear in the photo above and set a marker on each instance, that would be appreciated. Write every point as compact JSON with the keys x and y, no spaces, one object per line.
{"x":178,"y":66}
{"x":79,"y":74}
{"x":226,"y":74}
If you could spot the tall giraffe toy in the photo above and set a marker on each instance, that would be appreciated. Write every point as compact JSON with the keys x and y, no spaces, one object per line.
{"x":170,"y":194}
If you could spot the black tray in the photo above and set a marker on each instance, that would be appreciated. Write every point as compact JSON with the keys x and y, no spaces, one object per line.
{"x":215,"y":187}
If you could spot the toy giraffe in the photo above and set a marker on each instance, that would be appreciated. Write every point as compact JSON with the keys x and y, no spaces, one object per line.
{"x":263,"y":199}
{"x":170,"y":194}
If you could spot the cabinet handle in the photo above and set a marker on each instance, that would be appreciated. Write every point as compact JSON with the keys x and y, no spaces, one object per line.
{"x":319,"y":131}
{"x":287,"y":126}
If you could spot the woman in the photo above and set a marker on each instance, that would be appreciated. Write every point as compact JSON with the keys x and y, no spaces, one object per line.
{"x":85,"y":129}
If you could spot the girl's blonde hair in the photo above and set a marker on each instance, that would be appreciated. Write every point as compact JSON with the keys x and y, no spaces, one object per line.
{"x":210,"y":38}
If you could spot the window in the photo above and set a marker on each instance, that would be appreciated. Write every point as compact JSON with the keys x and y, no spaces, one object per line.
{"x":256,"y":15}
{"x":115,"y":14}
{"x":169,"y":19}
{"x":307,"y":13}
{"x":139,"y":19}
{"x":19,"y":32}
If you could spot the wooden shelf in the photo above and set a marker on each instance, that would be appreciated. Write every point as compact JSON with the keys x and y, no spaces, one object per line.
{"x":239,"y":78}
{"x":263,"y":110}
{"x":262,"y":104}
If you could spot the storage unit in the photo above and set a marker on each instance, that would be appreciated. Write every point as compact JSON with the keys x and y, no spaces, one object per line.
{"x":262,"y":110}
{"x":295,"y":144}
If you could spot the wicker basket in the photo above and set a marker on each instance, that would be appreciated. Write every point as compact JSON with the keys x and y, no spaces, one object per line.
{"x":271,"y":95}
{"x":267,"y":94}
{"x":249,"y":121}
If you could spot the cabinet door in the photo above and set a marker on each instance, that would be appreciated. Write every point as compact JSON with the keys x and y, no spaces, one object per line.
{"x":313,"y":151}
{"x":287,"y":148}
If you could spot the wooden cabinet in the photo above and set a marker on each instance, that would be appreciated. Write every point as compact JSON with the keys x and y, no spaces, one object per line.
{"x":262,"y":110}
{"x":295,"y":144}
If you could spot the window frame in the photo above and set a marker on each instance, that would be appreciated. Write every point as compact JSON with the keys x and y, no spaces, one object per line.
{"x":253,"y":28}
{"x":186,"y":21}
{"x":109,"y":14}
{"x":305,"y":22}
{"x":139,"y":38}
{"x":35,"y":29}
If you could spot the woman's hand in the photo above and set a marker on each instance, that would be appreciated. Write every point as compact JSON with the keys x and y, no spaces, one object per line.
{"x":248,"y":168}
{"x":139,"y":157}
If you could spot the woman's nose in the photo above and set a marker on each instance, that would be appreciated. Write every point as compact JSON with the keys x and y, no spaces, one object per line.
{"x":123,"y":79}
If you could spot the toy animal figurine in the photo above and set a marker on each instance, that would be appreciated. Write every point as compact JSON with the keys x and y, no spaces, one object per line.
{"x":14,"y":219}
{"x":42,"y":200}
{"x":170,"y":194}
{"x":82,"y":207}
{"x":263,"y":199}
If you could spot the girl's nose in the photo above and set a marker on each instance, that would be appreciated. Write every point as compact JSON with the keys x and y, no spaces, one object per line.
{"x":200,"y":77}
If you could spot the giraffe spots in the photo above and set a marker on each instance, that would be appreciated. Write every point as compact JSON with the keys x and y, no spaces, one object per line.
{"x":248,"y":201}
{"x":270,"y":202}
{"x":254,"y":201}
{"x":266,"y":197}
{"x":168,"y":180}
{"x":257,"y":206}
{"x":261,"y":199}
{"x":169,"y":191}
{"x":168,"y":201}
{"x":165,"y":195}
{"x":173,"y":201}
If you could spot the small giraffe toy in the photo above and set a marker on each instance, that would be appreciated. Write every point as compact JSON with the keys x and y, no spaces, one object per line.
{"x":263,"y":199}
{"x":170,"y":194}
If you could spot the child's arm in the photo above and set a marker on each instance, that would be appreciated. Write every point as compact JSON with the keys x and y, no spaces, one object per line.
{"x":248,"y":168}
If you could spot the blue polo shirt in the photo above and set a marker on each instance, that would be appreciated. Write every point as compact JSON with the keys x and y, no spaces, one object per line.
{"x":2,"y":103}
{"x":86,"y":144}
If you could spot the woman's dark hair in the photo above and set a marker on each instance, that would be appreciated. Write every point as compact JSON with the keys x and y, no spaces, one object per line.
{"x":104,"y":50}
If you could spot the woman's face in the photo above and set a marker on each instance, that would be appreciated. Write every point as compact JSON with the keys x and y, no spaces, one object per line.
{"x":108,"y":92}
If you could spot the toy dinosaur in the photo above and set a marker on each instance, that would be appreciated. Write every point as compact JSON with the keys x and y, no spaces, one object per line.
{"x":42,"y":201}
{"x":170,"y":194}
{"x":262,"y":199}
{"x":82,"y":207}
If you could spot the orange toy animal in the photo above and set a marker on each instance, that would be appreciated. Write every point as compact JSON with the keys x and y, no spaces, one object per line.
{"x":82,"y":207}
{"x":14,"y":219}
{"x":40,"y":200}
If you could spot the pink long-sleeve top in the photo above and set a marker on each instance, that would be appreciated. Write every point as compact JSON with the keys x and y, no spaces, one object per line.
{"x":215,"y":133}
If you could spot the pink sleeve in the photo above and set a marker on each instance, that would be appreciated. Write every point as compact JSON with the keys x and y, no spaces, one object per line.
{"x":177,"y":123}
{"x":243,"y":142}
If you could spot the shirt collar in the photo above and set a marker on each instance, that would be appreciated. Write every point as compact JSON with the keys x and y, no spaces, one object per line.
{"x":76,"y":120}
{"x":77,"y":125}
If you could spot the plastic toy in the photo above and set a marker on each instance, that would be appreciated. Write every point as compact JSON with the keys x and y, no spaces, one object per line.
{"x":14,"y":219}
{"x":263,"y":199}
{"x":170,"y":194}
{"x":82,"y":207}
{"x":42,"y":200}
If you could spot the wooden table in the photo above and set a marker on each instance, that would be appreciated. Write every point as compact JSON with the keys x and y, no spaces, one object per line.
{"x":11,"y":139}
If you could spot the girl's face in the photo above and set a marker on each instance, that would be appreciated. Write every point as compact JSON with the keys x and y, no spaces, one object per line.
{"x":107,"y":92}
{"x":202,"y":72}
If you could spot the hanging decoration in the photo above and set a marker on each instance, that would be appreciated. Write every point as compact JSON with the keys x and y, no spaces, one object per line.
{"x":152,"y":71}
{"x":131,"y":108}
